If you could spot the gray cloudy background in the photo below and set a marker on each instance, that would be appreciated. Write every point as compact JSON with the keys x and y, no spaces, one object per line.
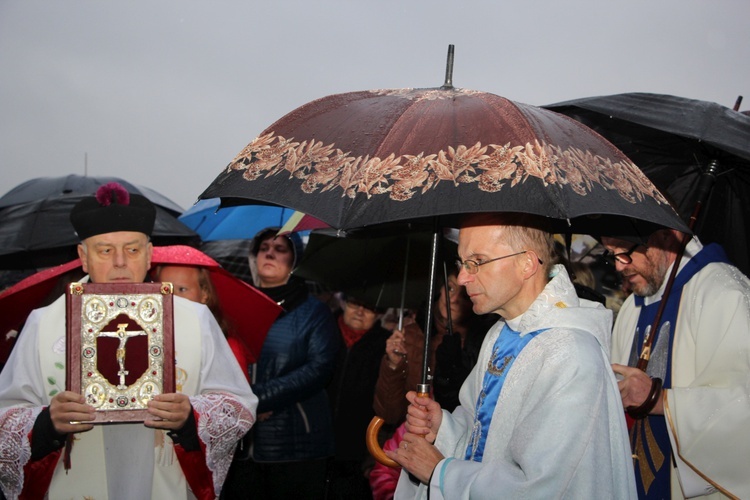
{"x":164,"y":93}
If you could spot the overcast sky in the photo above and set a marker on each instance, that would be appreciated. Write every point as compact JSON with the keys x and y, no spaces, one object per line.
{"x":165,"y":93}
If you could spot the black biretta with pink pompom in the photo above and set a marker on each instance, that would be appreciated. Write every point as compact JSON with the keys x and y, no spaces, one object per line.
{"x":113,"y":209}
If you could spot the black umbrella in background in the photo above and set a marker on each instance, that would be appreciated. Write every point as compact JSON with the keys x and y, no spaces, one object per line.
{"x":35,"y":230}
{"x":232,"y":255}
{"x":52,"y":187}
{"x":675,"y":141}
{"x":383,"y":268}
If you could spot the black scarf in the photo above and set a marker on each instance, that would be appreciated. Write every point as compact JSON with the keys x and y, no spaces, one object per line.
{"x":288,"y":296}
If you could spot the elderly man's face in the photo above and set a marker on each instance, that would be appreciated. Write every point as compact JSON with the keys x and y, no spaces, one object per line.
{"x":120,"y":257}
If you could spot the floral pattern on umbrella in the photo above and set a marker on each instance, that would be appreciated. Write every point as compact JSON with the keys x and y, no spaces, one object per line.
{"x":364,"y":158}
{"x":324,"y":167}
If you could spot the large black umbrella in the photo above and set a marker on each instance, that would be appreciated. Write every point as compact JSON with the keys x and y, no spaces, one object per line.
{"x":233,"y":255}
{"x":383,"y":268}
{"x":675,"y":141}
{"x":35,"y":230}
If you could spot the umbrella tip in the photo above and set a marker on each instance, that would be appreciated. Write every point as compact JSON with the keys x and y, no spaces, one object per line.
{"x":737,"y":103}
{"x":449,"y":69}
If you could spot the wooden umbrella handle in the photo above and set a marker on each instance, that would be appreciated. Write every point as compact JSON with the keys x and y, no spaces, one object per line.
{"x":374,"y":447}
{"x":371,"y":438}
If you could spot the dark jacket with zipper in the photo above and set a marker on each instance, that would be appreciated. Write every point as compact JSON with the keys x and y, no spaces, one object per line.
{"x":290,"y":377}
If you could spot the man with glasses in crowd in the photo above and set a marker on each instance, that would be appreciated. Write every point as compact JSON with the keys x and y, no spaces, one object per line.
{"x":540,"y":414}
{"x":694,"y":391}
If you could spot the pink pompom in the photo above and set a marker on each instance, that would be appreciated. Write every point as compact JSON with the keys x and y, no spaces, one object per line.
{"x":112,"y":192}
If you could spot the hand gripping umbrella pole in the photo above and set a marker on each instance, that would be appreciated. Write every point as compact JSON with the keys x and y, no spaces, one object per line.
{"x":708,"y":178}
{"x":423,"y":389}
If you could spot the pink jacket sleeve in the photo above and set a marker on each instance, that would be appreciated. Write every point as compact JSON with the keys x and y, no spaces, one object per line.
{"x":383,"y":479}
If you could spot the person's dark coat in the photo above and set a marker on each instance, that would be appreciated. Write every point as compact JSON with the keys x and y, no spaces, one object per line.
{"x":351,"y":391}
{"x":295,"y":365}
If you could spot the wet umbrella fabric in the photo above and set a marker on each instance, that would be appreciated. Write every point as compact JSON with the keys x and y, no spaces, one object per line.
{"x":370,"y":157}
{"x":37,"y":290}
{"x":36,"y":232}
{"x":233,"y":255}
{"x":231,"y":223}
{"x":674,"y":140}
{"x":52,"y":187}
{"x":247,"y":309}
{"x":382,"y":156}
{"x":371,"y":267}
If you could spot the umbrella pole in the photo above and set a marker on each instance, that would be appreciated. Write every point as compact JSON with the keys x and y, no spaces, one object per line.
{"x":708,"y":178}
{"x":423,"y":389}
{"x":403,"y":285}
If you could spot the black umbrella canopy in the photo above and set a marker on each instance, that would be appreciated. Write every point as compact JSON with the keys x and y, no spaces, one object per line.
{"x":55,"y":187}
{"x":384,"y":268}
{"x":675,"y":140}
{"x":233,"y":255}
{"x":35,"y":229}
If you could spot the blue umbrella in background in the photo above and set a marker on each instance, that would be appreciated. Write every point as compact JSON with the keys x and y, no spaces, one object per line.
{"x":232,"y":223}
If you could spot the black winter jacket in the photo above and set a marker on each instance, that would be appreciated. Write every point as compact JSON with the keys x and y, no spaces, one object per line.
{"x":352,"y":389}
{"x":294,"y":367}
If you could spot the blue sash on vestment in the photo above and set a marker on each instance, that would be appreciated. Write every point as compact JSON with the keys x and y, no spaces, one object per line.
{"x":652,"y":469}
{"x":507,"y":347}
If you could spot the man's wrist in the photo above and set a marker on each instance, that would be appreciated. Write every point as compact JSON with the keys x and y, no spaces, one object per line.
{"x":44,"y":437}
{"x":653,"y":397}
{"x":187,"y":436}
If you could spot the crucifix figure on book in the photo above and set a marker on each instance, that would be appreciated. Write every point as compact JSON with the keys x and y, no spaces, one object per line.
{"x":123,"y":334}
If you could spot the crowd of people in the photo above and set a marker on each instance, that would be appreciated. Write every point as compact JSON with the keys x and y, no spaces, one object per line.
{"x":536,"y":390}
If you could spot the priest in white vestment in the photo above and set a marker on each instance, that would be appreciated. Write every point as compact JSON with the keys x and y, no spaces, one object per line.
{"x":691,"y":437}
{"x":182,"y":450}
{"x":540,"y":414}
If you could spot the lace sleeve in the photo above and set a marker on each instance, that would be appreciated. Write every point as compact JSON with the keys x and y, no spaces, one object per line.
{"x":222,"y":422}
{"x":15,"y":447}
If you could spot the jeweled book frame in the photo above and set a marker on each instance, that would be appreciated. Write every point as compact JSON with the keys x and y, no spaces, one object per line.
{"x":120,"y":346}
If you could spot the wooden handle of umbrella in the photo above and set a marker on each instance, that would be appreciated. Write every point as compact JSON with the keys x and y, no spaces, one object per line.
{"x":371,"y":438}
{"x":374,"y":447}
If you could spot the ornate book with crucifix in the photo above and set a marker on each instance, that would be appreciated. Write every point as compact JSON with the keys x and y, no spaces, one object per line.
{"x":120,"y":346}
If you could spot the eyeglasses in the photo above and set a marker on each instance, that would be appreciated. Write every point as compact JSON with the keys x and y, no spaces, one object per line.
{"x":472,"y":266}
{"x":622,"y":257}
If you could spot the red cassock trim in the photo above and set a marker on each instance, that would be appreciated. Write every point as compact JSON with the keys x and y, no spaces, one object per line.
{"x":193,"y":464}
{"x":37,"y":476}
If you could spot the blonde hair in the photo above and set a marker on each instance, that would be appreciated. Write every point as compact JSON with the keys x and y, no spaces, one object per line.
{"x":207,"y":287}
{"x":521,"y":232}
